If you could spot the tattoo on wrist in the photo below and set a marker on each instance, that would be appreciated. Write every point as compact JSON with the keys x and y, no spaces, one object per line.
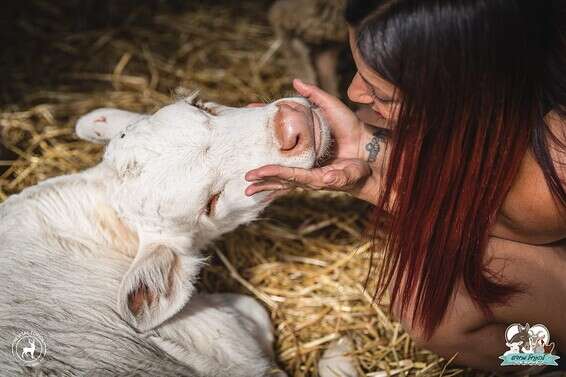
{"x":373,"y":146}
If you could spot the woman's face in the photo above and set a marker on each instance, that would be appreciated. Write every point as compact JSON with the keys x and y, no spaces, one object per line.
{"x":368,"y":88}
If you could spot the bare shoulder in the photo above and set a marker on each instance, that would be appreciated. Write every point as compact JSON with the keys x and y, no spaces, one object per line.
{"x":529,"y":213}
{"x":538,"y":271}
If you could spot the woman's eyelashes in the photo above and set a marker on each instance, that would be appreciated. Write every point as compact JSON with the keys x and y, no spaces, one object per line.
{"x":385,"y":101}
{"x":371,"y":90}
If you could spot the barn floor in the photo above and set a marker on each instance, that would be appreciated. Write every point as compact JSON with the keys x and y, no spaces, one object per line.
{"x":306,"y":260}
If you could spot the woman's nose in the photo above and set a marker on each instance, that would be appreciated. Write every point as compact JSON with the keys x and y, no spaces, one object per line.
{"x":358,"y":91}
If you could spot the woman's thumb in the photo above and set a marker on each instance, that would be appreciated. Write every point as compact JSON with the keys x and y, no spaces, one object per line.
{"x":303,"y":89}
{"x":313,"y":93}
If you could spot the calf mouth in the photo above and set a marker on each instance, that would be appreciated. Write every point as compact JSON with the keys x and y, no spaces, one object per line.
{"x":322,"y":136}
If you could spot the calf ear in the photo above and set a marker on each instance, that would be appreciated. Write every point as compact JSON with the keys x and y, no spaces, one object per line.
{"x":157,"y":285}
{"x":99,"y":126}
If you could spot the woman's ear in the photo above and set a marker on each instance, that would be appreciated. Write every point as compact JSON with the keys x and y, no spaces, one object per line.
{"x":157,"y":286}
{"x":101,"y":125}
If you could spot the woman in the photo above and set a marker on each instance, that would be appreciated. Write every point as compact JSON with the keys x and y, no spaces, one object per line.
{"x":473,"y":96}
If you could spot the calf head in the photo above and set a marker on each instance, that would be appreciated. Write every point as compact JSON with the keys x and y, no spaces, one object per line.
{"x":179,"y":181}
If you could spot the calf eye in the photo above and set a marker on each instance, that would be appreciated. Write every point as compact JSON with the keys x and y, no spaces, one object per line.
{"x":211,"y":205}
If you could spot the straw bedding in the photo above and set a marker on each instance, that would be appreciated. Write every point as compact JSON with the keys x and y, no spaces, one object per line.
{"x":306,"y":259}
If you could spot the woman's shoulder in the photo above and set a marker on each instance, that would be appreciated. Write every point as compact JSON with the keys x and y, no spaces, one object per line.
{"x":529,"y":213}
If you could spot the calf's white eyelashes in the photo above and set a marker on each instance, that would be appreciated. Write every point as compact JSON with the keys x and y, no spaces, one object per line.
{"x":206,"y":107}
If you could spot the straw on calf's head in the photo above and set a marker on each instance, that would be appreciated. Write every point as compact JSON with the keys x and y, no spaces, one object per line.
{"x":178,"y":179}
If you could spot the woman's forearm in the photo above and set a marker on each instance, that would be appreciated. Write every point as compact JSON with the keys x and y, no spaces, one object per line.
{"x":374,"y":149}
{"x":373,"y":145}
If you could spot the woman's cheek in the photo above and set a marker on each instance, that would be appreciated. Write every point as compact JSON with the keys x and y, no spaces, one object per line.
{"x":382,"y":112}
{"x":389,"y":113}
{"x":368,"y":114}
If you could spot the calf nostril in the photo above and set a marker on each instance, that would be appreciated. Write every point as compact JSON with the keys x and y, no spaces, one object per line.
{"x":290,"y":128}
{"x":290,"y":143}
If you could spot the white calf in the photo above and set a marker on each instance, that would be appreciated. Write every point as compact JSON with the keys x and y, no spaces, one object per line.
{"x":109,"y":256}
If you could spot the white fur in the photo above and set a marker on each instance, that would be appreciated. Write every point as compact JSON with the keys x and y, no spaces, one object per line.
{"x":337,"y":360}
{"x":109,"y":256}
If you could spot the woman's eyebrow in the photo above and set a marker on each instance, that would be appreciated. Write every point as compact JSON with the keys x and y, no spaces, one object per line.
{"x":378,"y":92}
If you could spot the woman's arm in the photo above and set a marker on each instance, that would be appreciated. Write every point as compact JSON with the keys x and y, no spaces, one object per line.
{"x":478,"y":339}
{"x":374,"y":150}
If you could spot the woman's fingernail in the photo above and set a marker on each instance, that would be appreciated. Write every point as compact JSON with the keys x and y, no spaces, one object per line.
{"x":250,"y":190}
{"x":300,"y":83}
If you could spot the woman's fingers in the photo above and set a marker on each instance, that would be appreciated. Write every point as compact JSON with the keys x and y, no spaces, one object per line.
{"x":342,"y":176}
{"x":316,"y":95}
{"x":348,"y":176}
{"x":269,"y":186}
{"x":295,"y":176}
{"x":345,"y":125}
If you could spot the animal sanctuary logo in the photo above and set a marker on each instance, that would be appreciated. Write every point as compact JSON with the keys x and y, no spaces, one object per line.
{"x":29,"y":347}
{"x":528,"y":345}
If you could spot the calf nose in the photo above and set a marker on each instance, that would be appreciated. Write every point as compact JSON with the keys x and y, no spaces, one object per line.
{"x":293,"y":127}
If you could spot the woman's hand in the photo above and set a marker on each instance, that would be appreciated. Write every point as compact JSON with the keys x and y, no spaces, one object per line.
{"x":352,"y":166}
{"x":345,"y":125}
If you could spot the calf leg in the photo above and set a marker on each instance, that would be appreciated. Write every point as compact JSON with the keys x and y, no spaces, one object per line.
{"x":336,"y":360}
{"x":262,"y":329}
{"x":225,"y":335}
{"x":248,"y":307}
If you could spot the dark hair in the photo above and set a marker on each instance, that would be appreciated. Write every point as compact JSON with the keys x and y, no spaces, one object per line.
{"x":476,"y":79}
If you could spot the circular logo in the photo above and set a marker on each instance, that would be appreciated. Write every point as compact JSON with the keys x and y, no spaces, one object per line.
{"x":29,"y":347}
{"x":528,"y":339}
{"x":516,"y":330}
